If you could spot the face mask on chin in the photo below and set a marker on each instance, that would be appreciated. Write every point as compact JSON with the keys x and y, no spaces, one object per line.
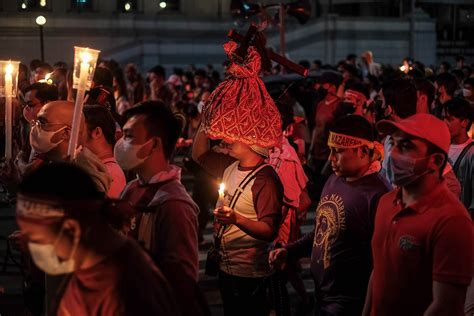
{"x":401,"y":170}
{"x":45,"y":257}
{"x":126,"y":154}
{"x":40,"y":139}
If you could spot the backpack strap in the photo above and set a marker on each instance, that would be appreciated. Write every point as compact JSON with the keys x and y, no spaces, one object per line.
{"x":238,"y":192}
{"x":461,"y":156}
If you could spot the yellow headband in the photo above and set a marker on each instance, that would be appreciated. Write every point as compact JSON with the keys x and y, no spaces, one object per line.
{"x":345,"y":141}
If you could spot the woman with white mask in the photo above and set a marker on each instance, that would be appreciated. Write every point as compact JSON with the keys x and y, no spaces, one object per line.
{"x":69,"y":228}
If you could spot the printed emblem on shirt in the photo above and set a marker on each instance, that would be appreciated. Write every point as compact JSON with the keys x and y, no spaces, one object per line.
{"x":408,"y":243}
{"x":330,"y":223}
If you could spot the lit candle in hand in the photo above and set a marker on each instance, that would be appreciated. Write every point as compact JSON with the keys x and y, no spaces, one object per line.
{"x":8,"y":110}
{"x":220,"y":200}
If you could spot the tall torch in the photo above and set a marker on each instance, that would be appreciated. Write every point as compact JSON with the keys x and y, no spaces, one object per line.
{"x":8,"y":89}
{"x":85,"y":60}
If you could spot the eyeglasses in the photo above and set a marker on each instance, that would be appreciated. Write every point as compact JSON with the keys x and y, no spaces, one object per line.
{"x":43,"y":124}
{"x":32,"y":104}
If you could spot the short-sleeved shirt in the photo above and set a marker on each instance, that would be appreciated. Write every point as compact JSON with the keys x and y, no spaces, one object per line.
{"x":431,"y":240}
{"x":261,"y":200}
{"x":118,"y":177}
{"x":341,"y":256}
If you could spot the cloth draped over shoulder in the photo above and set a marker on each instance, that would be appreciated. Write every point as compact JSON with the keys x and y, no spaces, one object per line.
{"x":240,"y":108}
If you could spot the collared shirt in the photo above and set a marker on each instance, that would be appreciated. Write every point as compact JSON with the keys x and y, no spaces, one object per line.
{"x":431,"y":240}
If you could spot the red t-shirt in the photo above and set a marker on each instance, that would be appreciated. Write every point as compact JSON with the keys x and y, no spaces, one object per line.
{"x":125,"y":283}
{"x":431,"y":240}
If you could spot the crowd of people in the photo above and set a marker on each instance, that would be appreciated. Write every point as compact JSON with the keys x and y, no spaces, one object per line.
{"x":384,"y":156}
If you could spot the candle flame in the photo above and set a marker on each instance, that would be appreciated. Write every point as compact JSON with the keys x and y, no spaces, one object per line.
{"x":221,"y":187}
{"x":9,"y":69}
{"x":85,"y":57}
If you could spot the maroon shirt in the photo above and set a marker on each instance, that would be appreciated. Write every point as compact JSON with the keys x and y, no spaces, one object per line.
{"x":431,"y":240}
{"x":125,"y":283}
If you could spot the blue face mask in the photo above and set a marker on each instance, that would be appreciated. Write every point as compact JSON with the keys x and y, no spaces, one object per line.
{"x":401,"y":170}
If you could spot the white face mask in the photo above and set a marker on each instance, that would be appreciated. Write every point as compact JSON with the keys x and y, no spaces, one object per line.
{"x":200,"y":106}
{"x":45,"y":258}
{"x":126,"y":154}
{"x":466,"y":93}
{"x":40,"y":140}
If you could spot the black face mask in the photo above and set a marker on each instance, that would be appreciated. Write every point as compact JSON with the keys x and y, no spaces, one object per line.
{"x":322,"y":93}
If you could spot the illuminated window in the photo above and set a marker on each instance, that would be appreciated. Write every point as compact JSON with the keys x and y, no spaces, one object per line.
{"x":81,"y":5}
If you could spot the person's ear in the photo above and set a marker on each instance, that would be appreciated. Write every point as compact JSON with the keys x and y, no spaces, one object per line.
{"x":464,"y":123}
{"x":96,"y":133}
{"x":363,"y":152}
{"x":438,"y":160}
{"x":388,"y":110}
{"x":72,"y":229}
{"x":65,"y":133}
{"x":157,"y":143}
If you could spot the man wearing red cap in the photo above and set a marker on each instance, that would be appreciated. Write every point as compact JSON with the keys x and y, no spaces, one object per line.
{"x":423,"y":239}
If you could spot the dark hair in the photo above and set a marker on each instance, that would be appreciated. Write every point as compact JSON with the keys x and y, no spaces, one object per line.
{"x":351,"y":69}
{"x":44,"y":92}
{"x":426,"y":87}
{"x":98,"y":116}
{"x":448,"y":81}
{"x":415,"y":73}
{"x":68,"y":182}
{"x":459,"y":58}
{"x":458,"y":73}
{"x":460,"y":109}
{"x":304,"y":63}
{"x":354,"y":125}
{"x":400,"y":94}
{"x":45,"y":66}
{"x":60,"y":65}
{"x":160,"y":122}
{"x":65,"y":181}
{"x":35,"y":63}
{"x":121,"y":84}
{"x":351,"y":56}
{"x":159,"y":71}
{"x":103,"y":77}
{"x":286,"y":113}
{"x":200,"y":72}
{"x":468,"y":71}
{"x":446,"y":65}
{"x":469,"y":81}
{"x":358,"y":86}
{"x":433,"y":149}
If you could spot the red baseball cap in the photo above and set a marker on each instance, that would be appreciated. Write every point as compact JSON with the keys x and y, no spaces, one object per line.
{"x":424,"y":126}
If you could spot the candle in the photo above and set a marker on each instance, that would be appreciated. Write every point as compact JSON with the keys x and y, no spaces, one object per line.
{"x":8,"y":110}
{"x":221,"y":199}
{"x":85,"y":60}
